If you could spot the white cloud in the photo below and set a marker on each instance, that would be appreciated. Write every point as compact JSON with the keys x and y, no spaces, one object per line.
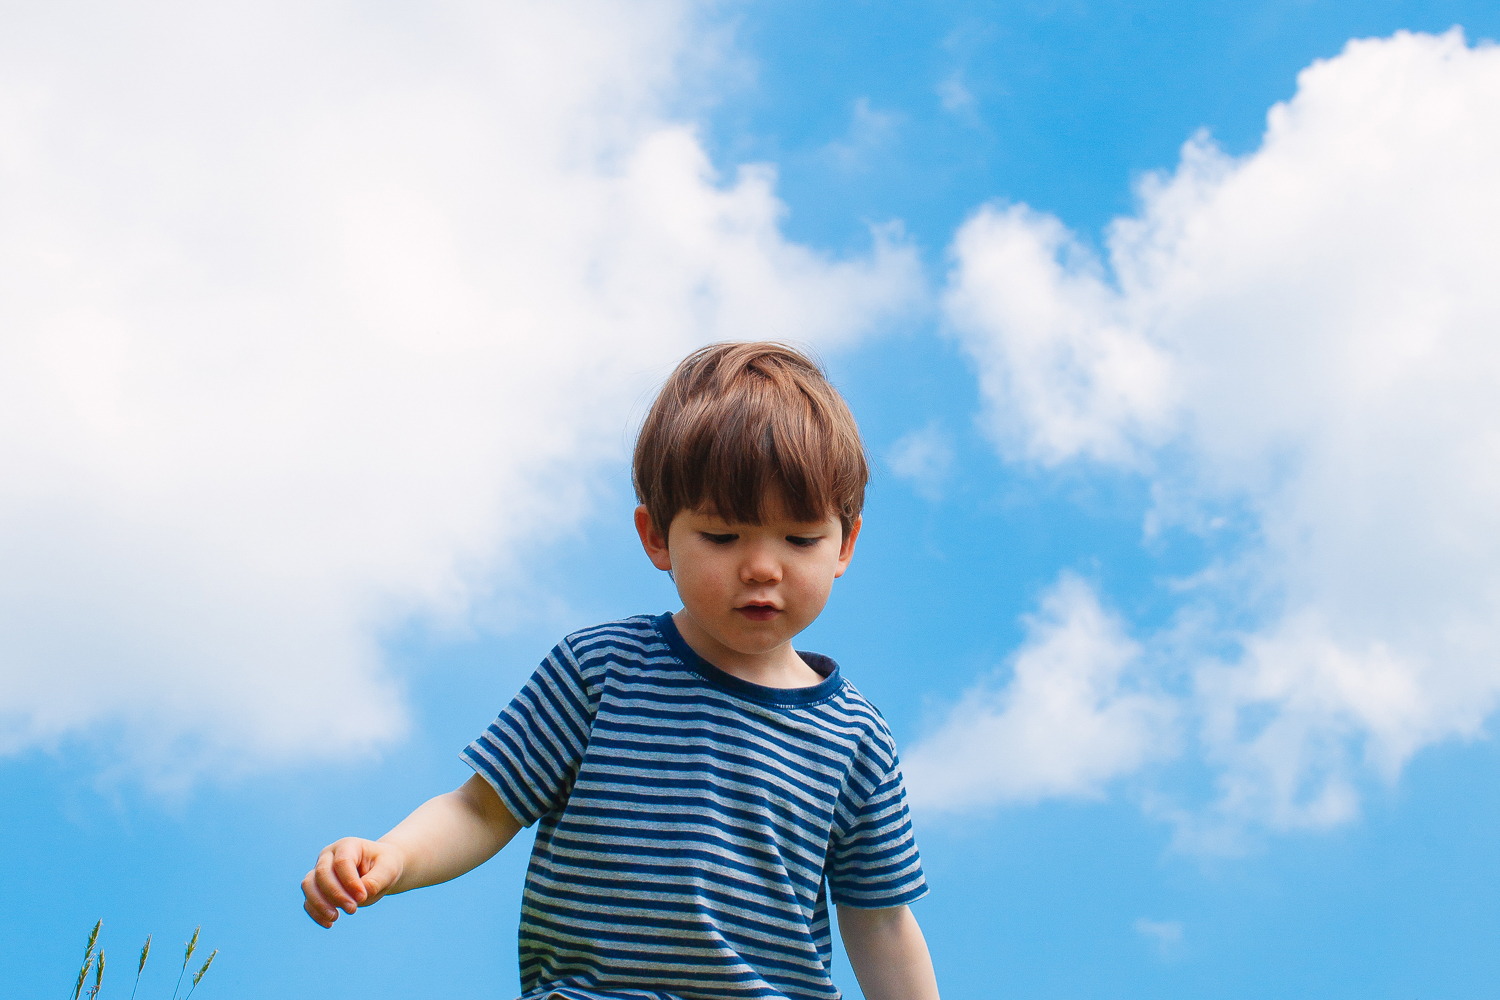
{"x":1070,"y":718}
{"x":313,"y":317}
{"x":1304,"y":338}
{"x":924,"y":457}
{"x":1062,"y":371}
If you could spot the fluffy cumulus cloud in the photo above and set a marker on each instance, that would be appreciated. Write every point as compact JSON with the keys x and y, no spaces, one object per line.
{"x":1298,"y":347}
{"x":311,"y":316}
{"x":1072,"y":715}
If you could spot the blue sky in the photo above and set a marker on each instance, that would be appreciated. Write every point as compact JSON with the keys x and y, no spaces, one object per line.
{"x":324,"y":334}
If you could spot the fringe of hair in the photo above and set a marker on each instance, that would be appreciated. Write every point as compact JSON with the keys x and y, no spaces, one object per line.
{"x":736,"y":423}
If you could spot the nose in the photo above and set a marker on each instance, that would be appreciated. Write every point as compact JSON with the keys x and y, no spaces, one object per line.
{"x":760,"y":565}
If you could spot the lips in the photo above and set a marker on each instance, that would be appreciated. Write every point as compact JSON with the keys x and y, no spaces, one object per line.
{"x":758,"y":612}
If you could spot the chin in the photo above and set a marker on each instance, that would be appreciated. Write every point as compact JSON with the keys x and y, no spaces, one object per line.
{"x":755,"y":645}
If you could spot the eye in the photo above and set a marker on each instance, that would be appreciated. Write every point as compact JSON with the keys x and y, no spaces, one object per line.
{"x":718,"y":539}
{"x":803,"y":541}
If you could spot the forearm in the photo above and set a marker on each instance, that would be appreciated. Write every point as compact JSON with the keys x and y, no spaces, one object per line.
{"x":451,"y":834}
{"x":889,"y":953}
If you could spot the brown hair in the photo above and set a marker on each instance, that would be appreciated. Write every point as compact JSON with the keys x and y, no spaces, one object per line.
{"x":738,"y":419}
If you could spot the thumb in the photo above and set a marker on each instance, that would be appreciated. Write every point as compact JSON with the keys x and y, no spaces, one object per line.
{"x":385,"y":869}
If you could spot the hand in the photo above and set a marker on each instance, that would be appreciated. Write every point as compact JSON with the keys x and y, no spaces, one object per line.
{"x":442,"y":838}
{"x":350,"y":873}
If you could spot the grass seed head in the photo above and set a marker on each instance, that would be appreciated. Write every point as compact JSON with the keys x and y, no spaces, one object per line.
{"x":199,"y":977}
{"x":145,"y":950}
{"x":83,"y":973}
{"x":88,"y":958}
{"x":205,"y":966}
{"x":191,"y":945}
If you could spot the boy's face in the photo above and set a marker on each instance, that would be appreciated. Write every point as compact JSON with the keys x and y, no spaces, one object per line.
{"x":747,"y":589}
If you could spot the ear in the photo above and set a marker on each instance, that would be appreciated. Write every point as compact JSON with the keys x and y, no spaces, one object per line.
{"x":653,"y":541}
{"x":846,"y":547}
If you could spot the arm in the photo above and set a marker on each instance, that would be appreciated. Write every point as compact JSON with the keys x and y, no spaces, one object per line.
{"x":442,"y":838}
{"x":888,"y":953}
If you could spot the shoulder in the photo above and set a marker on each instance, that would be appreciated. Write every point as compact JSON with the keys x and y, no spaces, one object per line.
{"x":583,"y":662}
{"x":849,"y":713}
{"x":635,"y":640}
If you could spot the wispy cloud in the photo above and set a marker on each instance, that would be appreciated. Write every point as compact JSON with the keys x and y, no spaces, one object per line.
{"x":870,"y":131}
{"x":1304,"y":338}
{"x":955,"y":95}
{"x":1165,"y":935}
{"x":924,"y":457}
{"x":308,"y":333}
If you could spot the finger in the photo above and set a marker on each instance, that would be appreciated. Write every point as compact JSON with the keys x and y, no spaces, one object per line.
{"x":329,"y":884}
{"x":346,"y":868}
{"x":320,"y":916}
{"x":316,"y":903}
{"x":313,"y":902}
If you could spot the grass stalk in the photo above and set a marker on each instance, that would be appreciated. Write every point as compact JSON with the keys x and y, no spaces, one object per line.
{"x":201,"y":971}
{"x":93,"y":959}
{"x":187,"y":955}
{"x":88,"y":959}
{"x":83,"y":973}
{"x":145,"y":950}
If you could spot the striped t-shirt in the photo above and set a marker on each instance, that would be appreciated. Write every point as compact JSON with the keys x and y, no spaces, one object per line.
{"x":689,"y":820}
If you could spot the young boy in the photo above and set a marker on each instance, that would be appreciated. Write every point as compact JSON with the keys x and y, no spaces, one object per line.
{"x":697,"y":782}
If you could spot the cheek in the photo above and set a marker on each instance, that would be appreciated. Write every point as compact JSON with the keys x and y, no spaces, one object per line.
{"x":700,"y":575}
{"x":815,"y":580}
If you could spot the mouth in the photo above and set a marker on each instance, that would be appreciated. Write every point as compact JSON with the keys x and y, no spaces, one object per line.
{"x":758,"y":612}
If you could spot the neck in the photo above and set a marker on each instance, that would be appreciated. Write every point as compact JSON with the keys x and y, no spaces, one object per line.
{"x":778,"y":667}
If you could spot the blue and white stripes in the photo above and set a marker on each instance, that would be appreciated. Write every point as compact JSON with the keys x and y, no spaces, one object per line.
{"x":689,"y":820}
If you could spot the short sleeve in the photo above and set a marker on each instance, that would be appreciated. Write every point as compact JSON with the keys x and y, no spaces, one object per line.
{"x":873,"y":860}
{"x":531,"y":753}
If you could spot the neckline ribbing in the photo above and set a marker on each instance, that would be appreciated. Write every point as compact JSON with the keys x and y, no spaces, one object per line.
{"x":779,"y":697}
